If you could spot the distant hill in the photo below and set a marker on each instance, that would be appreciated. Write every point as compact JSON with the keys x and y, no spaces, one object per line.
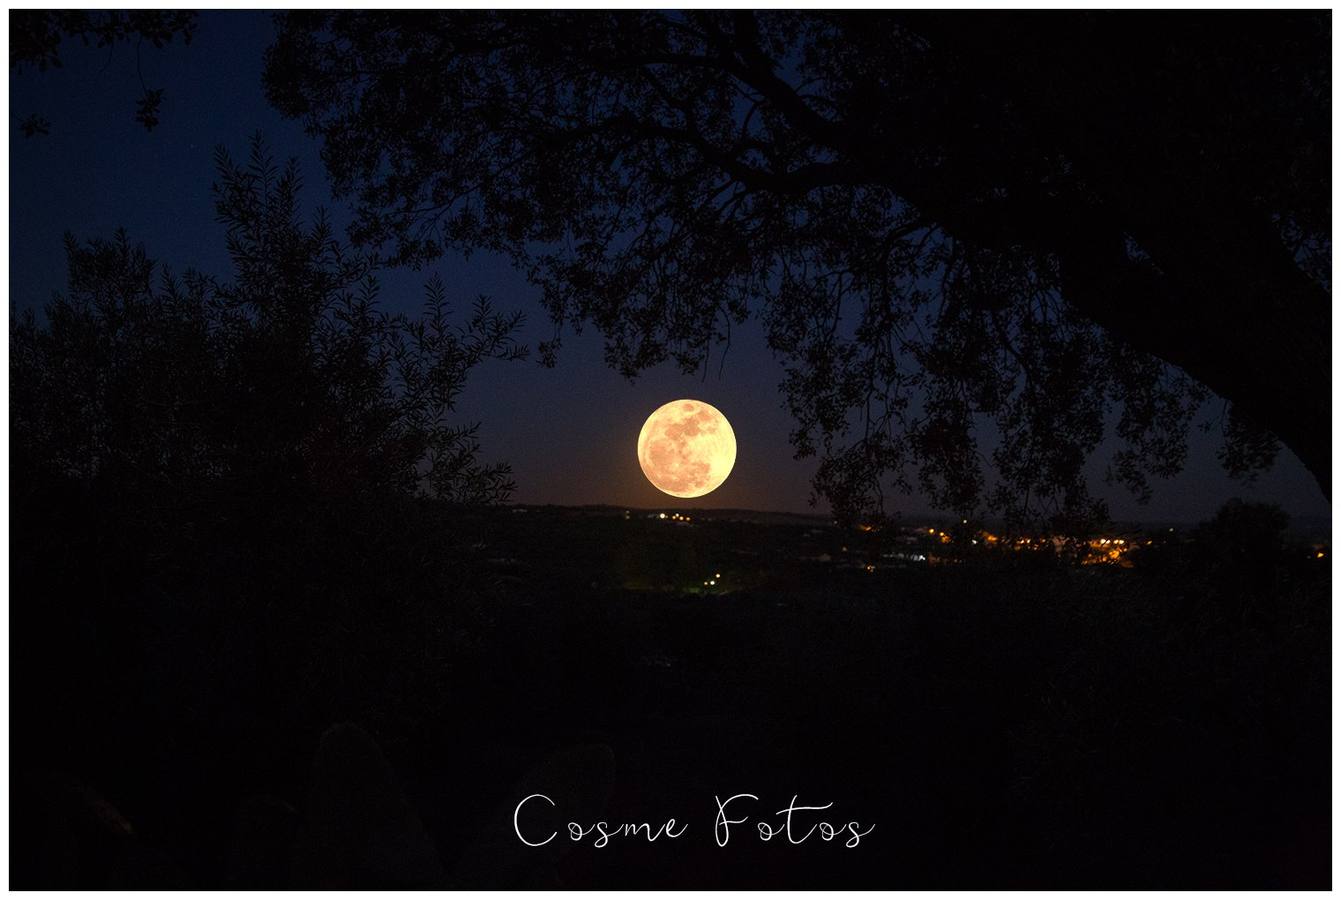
{"x":1301,"y":527}
{"x":760,"y":517}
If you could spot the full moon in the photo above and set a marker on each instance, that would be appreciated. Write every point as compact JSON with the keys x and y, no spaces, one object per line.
{"x":687,"y":448}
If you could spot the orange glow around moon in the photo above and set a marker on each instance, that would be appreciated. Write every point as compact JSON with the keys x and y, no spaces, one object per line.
{"x":687,"y":448}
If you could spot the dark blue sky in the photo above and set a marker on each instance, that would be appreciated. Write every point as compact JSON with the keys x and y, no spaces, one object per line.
{"x":569,"y":432}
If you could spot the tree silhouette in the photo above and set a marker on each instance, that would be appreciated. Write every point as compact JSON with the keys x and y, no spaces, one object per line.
{"x":240,"y":499}
{"x":288,"y":380}
{"x":977,"y":243}
{"x":200,"y":446}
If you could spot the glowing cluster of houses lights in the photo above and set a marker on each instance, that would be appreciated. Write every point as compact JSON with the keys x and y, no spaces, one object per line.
{"x":1101,"y":550}
{"x":1107,"y":551}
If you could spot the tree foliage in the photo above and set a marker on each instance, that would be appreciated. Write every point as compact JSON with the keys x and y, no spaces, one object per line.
{"x":977,"y":244}
{"x":289,"y":380}
{"x":239,"y":497}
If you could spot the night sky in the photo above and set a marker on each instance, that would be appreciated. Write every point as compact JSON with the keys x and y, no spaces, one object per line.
{"x":568,"y":432}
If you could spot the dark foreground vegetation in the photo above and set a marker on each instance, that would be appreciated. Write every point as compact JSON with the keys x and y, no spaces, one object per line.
{"x":1000,"y":724}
